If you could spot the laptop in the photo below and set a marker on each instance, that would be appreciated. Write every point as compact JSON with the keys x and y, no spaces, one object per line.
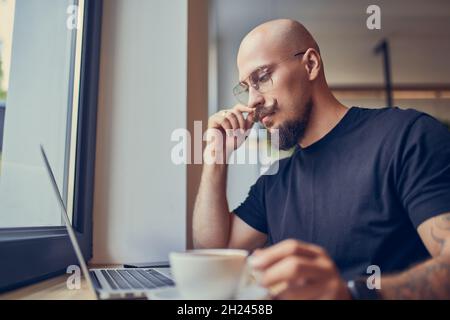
{"x":111,"y":283}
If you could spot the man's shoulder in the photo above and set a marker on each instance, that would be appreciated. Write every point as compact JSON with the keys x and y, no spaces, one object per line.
{"x":395,"y":119}
{"x":393,"y":114}
{"x":401,"y":127}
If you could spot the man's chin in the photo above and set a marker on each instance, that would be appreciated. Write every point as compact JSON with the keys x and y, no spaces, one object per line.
{"x":271,"y":129}
{"x":270,"y":126}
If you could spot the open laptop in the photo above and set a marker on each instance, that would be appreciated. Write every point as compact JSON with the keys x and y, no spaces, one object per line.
{"x":111,"y":283}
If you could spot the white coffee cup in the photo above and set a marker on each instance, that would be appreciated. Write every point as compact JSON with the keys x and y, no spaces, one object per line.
{"x":208,"y":273}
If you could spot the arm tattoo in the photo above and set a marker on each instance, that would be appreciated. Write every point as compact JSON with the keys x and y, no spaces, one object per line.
{"x":430,"y":280}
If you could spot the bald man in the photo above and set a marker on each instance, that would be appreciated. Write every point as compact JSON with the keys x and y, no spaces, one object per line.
{"x":364,"y":189}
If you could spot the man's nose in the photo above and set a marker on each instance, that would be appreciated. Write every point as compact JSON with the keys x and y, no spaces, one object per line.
{"x":255,"y":98}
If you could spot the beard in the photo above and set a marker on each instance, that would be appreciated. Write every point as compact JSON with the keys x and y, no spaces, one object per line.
{"x":292,"y":131}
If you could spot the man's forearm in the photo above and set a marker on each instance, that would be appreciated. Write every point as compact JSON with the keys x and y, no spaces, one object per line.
{"x":429,"y":280}
{"x":211,"y":220}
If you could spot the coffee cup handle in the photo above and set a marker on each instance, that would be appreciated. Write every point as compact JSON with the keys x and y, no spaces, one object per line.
{"x":249,"y":275}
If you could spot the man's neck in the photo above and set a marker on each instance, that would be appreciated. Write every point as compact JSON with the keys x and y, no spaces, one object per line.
{"x":325,"y":115}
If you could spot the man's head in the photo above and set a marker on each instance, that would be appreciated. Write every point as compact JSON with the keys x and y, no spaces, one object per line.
{"x":284,"y":57}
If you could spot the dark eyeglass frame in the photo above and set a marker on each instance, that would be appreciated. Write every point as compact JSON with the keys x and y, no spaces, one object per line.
{"x":260,"y":72}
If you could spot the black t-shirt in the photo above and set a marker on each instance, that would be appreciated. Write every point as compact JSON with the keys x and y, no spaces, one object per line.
{"x":361,"y":191}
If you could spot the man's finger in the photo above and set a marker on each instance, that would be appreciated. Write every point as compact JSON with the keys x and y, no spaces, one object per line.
{"x":261,"y":259}
{"x":242,"y":108}
{"x":293,"y":270}
{"x":250,"y":121}
{"x":226,"y":126}
{"x":239,"y":117}
{"x":233,"y":120}
{"x":250,"y":117}
{"x":217,"y":119}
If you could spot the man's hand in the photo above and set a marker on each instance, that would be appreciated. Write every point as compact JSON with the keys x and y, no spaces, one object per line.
{"x":298,"y":270}
{"x":227,"y":130}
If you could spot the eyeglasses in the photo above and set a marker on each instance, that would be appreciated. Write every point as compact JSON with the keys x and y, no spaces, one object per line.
{"x":260,"y":80}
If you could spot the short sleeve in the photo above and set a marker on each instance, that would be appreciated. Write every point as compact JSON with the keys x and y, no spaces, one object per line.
{"x":424,"y":169}
{"x":252,"y":211}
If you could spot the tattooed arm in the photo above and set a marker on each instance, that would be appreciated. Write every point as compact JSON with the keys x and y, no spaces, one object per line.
{"x":431,"y":279}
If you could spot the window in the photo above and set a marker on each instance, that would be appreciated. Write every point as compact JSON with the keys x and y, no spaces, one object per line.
{"x":6,"y":23}
{"x":49,"y":75}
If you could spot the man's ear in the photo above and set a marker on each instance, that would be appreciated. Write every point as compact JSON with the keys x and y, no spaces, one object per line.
{"x":313,"y":63}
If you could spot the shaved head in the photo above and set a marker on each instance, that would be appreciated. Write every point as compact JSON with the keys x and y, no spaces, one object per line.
{"x":278,"y":38}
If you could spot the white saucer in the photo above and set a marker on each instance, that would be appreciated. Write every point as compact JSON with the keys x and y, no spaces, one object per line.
{"x":171,"y":293}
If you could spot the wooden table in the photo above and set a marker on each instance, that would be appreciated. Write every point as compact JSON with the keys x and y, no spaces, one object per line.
{"x":53,"y":289}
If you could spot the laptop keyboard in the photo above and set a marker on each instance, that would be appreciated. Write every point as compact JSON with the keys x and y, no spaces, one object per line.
{"x":135,"y":279}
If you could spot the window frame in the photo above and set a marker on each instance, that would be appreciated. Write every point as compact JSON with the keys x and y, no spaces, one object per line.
{"x":33,"y":254}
